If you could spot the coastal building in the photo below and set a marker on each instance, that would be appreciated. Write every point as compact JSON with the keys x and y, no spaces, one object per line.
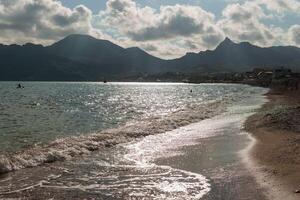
{"x":282,"y":72}
{"x":259,"y":76}
{"x":264,"y":78}
{"x":284,"y":78}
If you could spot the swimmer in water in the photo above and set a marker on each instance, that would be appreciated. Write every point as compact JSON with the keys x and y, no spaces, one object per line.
{"x":19,"y":86}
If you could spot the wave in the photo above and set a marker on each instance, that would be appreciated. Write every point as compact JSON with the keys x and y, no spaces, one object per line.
{"x":68,"y":148}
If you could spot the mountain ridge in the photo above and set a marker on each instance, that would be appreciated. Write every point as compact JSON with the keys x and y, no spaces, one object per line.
{"x":85,"y":58}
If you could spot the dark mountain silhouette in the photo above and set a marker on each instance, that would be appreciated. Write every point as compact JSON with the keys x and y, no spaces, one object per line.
{"x":233,"y":57}
{"x":101,"y":58}
{"x":82,"y":57}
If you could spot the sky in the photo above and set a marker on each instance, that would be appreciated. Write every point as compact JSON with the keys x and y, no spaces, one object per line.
{"x":164,"y":28}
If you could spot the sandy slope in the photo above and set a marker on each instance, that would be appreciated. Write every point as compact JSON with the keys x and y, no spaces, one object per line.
{"x":275,"y":157}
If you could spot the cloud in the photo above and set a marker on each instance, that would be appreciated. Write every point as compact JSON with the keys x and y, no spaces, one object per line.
{"x":170,"y":49}
{"x":175,"y":21}
{"x":179,"y":24}
{"x":124,"y":15}
{"x":149,"y":47}
{"x":145,"y":23}
{"x":243,"y":22}
{"x":294,"y":35}
{"x":281,"y":6}
{"x":41,"y":20}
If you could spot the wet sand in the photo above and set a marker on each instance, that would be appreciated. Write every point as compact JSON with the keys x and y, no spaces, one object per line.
{"x":220,"y":160}
{"x":275,"y":157}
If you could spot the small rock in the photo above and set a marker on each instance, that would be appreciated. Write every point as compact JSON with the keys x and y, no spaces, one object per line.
{"x":297,"y":191}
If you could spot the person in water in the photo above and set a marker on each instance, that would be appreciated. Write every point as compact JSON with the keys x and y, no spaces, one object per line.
{"x":19,"y":86}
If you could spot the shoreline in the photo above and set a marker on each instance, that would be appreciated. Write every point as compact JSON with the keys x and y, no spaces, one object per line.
{"x":229,"y":177}
{"x":273,"y":156}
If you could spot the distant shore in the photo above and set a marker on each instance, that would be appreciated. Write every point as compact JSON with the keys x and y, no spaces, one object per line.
{"x":276,"y":152}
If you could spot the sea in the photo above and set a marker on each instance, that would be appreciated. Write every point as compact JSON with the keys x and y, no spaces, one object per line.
{"x":82,"y":140}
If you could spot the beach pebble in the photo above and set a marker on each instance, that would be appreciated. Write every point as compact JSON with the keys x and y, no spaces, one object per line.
{"x":297,"y":191}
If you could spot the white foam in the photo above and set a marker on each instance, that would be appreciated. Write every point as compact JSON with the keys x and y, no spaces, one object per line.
{"x":189,"y":185}
{"x":144,"y":153}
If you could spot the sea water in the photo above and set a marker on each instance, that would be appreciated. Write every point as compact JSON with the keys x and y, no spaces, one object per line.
{"x":163,"y":117}
{"x":43,"y":112}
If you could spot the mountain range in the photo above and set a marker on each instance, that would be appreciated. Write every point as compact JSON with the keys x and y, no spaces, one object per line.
{"x":84,"y":58}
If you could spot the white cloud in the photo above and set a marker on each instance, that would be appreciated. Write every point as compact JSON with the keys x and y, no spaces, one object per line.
{"x":124,"y":15}
{"x":180,"y":23}
{"x":175,"y":21}
{"x":281,"y":6}
{"x":294,"y":35}
{"x":41,"y":21}
{"x":145,"y":23}
{"x":243,"y":22}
